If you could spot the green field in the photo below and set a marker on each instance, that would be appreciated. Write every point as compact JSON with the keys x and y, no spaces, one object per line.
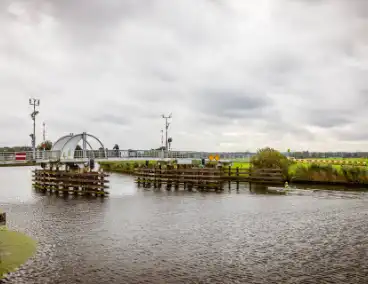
{"x":241,"y":164}
{"x":342,"y":159}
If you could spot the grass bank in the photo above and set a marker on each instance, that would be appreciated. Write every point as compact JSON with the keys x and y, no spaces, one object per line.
{"x":124,"y":167}
{"x":15,"y":249}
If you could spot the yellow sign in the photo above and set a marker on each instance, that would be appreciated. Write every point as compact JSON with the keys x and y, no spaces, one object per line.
{"x":211,"y":158}
{"x":217,"y":157}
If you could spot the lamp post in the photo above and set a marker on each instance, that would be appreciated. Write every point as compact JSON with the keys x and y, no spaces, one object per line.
{"x":167,"y":124}
{"x":162,"y":139}
{"x":35,"y":103}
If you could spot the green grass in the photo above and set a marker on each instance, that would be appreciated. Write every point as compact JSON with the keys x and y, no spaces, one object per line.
{"x":241,"y":165}
{"x":344,"y":160}
{"x":123,"y":166}
{"x":15,"y":249}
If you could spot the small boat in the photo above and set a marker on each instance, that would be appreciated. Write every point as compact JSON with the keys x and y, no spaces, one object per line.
{"x":277,"y":190}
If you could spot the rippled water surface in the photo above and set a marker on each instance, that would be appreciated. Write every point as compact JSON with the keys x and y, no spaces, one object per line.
{"x":142,"y":236}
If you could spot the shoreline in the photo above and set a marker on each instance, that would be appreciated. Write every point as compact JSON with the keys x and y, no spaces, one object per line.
{"x":8,"y":165}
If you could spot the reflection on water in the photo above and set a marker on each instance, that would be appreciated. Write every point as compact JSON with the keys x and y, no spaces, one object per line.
{"x":144,"y":236}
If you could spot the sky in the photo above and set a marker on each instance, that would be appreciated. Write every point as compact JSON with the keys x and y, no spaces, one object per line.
{"x":236,"y":75}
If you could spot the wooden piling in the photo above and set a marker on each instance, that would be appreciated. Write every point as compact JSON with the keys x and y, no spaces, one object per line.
{"x":70,"y":182}
{"x":206,"y":179}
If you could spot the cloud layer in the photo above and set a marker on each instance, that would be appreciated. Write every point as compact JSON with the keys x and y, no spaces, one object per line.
{"x":237,"y":75}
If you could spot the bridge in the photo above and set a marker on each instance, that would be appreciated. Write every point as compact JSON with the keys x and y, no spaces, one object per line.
{"x":64,"y":151}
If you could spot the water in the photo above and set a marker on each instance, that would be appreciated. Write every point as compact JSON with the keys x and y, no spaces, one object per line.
{"x":141,"y":236}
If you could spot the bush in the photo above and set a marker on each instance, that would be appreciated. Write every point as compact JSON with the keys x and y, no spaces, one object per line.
{"x":268,"y":158}
{"x":329,"y":173}
{"x":316,"y":172}
{"x":354,"y":174}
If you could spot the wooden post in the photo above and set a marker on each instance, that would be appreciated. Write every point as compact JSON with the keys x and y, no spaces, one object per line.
{"x":229,"y":182}
{"x":169,"y":179}
{"x":2,"y":219}
{"x":144,"y":177}
{"x":250,"y":181}
{"x":190,"y":186}
{"x":154,"y":178}
{"x":176,"y":177}
{"x":237,"y":178}
{"x":159,"y":176}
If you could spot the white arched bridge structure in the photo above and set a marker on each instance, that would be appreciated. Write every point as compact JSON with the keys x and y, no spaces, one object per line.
{"x":67,"y":149}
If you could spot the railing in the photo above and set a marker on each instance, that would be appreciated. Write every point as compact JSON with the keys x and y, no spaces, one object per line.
{"x":40,"y":155}
{"x":45,"y":155}
{"x":7,"y":157}
{"x":112,"y":154}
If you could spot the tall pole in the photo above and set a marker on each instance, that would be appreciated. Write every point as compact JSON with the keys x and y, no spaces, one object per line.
{"x":44,"y":135}
{"x":34,"y":103}
{"x":162,"y":138}
{"x":84,"y":145}
{"x":167,"y":124}
{"x":44,"y":131}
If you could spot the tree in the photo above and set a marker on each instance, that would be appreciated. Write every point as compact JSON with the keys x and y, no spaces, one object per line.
{"x":268,"y":158}
{"x":47,"y":145}
{"x":78,"y":148}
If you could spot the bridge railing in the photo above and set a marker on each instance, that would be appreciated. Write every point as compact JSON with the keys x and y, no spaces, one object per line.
{"x":7,"y":156}
{"x":28,"y":156}
{"x":46,"y":155}
{"x":131,"y":154}
{"x":115,"y":154}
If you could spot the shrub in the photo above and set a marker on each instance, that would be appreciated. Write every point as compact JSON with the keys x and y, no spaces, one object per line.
{"x":268,"y":158}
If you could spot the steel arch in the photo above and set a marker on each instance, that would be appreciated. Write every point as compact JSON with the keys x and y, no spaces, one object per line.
{"x":68,"y":143}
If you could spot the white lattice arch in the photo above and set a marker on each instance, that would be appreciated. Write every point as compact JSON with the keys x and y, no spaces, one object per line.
{"x":67,"y":144}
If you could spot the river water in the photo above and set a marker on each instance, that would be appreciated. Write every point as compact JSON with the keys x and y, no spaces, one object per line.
{"x":145,"y":236}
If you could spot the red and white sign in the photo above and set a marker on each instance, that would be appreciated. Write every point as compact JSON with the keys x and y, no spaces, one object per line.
{"x":20,"y":156}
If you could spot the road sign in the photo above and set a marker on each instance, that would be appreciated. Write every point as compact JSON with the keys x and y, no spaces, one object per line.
{"x":217,"y":157}
{"x":211,"y":157}
{"x":20,"y":156}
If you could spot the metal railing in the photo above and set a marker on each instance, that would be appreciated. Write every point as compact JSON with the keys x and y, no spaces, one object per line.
{"x":115,"y":155}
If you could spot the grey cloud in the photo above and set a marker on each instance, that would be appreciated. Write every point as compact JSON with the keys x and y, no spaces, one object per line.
{"x":276,"y":74}
{"x":231,"y":103}
{"x":329,"y":118}
{"x":112,"y":119}
{"x":355,"y":135}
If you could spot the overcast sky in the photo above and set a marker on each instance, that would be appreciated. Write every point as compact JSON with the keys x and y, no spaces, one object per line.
{"x":237,"y":75}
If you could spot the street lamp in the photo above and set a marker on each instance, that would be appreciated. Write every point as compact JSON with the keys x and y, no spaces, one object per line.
{"x":35,"y":103}
{"x":167,"y":124}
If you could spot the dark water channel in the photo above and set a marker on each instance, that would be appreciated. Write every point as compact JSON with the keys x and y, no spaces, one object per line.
{"x":142,"y":236}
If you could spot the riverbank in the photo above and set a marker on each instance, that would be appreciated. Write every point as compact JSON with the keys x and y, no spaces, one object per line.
{"x":15,"y":249}
{"x":17,"y":165}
